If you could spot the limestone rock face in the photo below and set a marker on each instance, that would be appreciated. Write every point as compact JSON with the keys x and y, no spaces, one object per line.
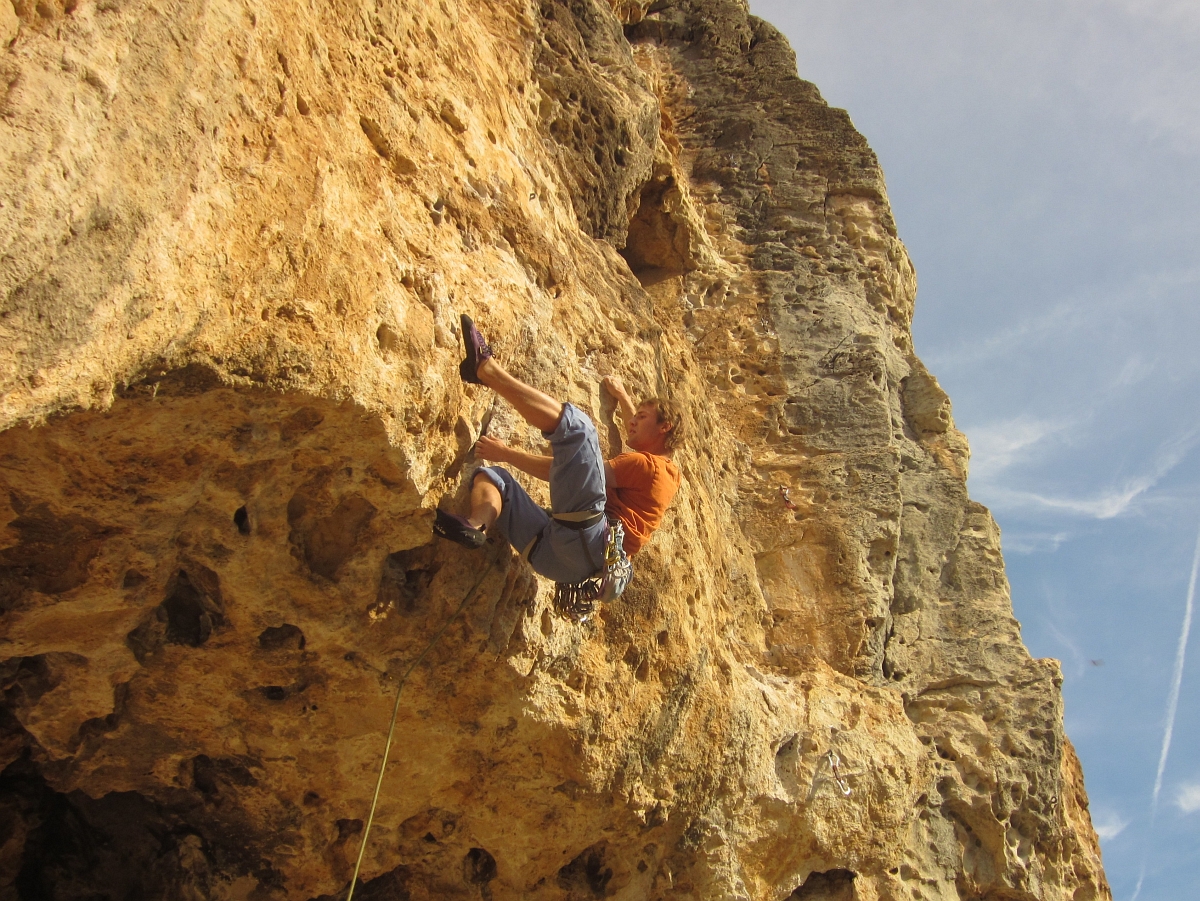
{"x":235,"y":241}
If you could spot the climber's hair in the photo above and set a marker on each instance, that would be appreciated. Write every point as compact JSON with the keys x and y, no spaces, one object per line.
{"x":667,"y":411}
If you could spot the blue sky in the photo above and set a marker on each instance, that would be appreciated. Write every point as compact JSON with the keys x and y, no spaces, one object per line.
{"x":1043,"y":163}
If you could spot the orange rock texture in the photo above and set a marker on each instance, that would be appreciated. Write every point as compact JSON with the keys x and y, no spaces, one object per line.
{"x":235,"y":242}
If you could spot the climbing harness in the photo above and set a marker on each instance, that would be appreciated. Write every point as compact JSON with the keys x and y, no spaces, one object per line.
{"x":577,"y":600}
{"x":395,"y":711}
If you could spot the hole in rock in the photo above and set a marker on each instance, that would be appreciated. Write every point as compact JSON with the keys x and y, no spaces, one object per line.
{"x":285,"y":637}
{"x":388,"y":340}
{"x":184,"y":451}
{"x":300,"y":423}
{"x":479,"y":867}
{"x":54,"y":549}
{"x":327,"y":538}
{"x":210,"y":774}
{"x":241,"y":519}
{"x":188,"y":615}
{"x":375,"y":135}
{"x":586,"y":876}
{"x":274,"y":692}
{"x":392,"y":886}
{"x":24,"y":680}
{"x":193,"y":607}
{"x":347,"y":828}
{"x":121,"y":845}
{"x":787,"y":764}
{"x":658,"y":245}
{"x":406,"y":577}
{"x":832,"y":885}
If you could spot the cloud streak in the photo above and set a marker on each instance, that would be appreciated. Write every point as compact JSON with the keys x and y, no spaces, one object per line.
{"x":1172,"y":704}
{"x":1176,"y":677}
{"x":1110,"y":503}
{"x":1033,"y":542}
{"x":997,"y":446}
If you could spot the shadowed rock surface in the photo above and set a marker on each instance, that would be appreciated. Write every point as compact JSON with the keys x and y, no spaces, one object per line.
{"x":235,"y":244}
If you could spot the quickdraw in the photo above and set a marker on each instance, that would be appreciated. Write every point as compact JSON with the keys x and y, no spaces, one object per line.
{"x":835,"y":768}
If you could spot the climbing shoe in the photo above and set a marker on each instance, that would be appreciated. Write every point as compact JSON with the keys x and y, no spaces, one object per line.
{"x":477,"y":351}
{"x":458,"y":530}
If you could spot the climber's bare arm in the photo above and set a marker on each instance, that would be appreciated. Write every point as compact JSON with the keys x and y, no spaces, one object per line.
{"x":613,"y":385}
{"x":497,"y":451}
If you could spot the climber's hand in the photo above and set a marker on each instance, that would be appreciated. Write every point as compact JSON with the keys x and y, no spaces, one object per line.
{"x":615,"y":387}
{"x":488,"y":448}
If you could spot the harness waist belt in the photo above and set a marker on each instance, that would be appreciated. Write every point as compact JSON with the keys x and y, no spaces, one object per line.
{"x":578,"y":521}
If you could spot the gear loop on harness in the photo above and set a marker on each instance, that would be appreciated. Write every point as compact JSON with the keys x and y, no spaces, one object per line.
{"x":577,"y":600}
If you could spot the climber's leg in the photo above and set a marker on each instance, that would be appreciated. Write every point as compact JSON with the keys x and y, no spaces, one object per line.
{"x":576,"y":486}
{"x":558,"y":552}
{"x":516,"y":514}
{"x":577,"y":473}
{"x":457,"y":529}
{"x":540,"y":410}
{"x":486,"y":503}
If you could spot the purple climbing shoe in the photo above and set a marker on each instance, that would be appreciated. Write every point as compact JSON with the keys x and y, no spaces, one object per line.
{"x":477,"y":351}
{"x":458,"y":530}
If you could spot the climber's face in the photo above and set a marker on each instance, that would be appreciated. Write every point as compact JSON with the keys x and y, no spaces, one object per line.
{"x":645,"y":432}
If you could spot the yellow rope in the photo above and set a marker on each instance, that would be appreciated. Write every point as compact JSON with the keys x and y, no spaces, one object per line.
{"x":392,"y":728}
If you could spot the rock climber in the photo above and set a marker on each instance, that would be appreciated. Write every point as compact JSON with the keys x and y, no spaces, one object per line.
{"x":635,"y":487}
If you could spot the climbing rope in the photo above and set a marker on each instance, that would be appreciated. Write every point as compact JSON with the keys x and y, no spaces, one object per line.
{"x":392,"y":728}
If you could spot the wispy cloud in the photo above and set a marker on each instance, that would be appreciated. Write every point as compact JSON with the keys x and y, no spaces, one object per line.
{"x":997,"y":446}
{"x":1188,"y":798}
{"x":1108,"y":825}
{"x":1033,"y":542}
{"x":1104,"y":506}
{"x":1134,"y":371}
{"x":1157,"y":91}
{"x":1061,"y":318}
{"x":1074,"y":653}
{"x":1108,"y":503}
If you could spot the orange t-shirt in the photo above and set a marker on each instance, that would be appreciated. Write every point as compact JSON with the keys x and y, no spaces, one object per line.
{"x":640,"y":493}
